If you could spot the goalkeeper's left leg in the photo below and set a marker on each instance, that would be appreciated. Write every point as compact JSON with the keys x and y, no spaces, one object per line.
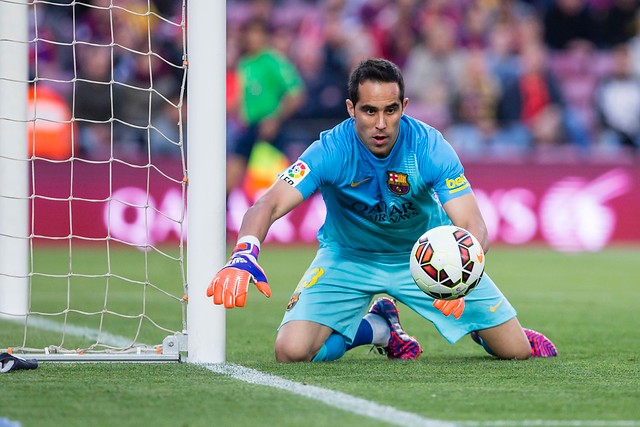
{"x":375,"y":328}
{"x":297,"y":341}
{"x":372,"y":330}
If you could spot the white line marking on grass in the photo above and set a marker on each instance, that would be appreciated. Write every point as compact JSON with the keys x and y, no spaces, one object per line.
{"x":336,"y":399}
{"x":549,"y":423}
{"x":78,"y":331}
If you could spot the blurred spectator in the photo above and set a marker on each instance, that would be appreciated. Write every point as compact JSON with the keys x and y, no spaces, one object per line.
{"x":618,"y":103}
{"x":619,"y":22}
{"x":323,"y":62}
{"x":432,"y":73}
{"x":512,"y":12}
{"x":501,"y":52}
{"x":634,"y":46}
{"x":271,"y":91}
{"x":139,"y":102}
{"x":93,"y":21}
{"x":474,"y":33}
{"x":433,"y":11}
{"x":93,"y":106}
{"x":569,"y":24}
{"x":166,"y":134}
{"x":397,"y":27}
{"x":528,"y":30}
{"x":233,"y":122}
{"x":50,"y":134}
{"x":476,"y":101}
{"x":533,"y":99}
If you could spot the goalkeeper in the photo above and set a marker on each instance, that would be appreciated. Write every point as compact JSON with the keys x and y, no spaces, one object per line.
{"x":385,"y":178}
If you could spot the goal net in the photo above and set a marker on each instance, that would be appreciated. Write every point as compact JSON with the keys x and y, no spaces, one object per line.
{"x":93,"y":179}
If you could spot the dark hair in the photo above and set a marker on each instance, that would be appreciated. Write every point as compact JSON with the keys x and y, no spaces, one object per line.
{"x":256,"y":22}
{"x":377,"y":70}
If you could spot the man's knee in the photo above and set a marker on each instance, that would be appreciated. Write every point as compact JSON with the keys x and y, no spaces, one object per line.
{"x":287,"y":351}
{"x":507,"y":341}
{"x":518,"y":352}
{"x":300,"y":341}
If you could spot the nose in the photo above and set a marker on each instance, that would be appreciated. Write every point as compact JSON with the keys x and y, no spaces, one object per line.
{"x":380,"y":121}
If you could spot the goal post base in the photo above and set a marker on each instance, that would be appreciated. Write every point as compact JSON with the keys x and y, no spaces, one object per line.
{"x":104,"y":357}
{"x":173,"y":349}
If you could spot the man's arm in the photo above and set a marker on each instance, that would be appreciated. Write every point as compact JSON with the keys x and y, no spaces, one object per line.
{"x":465,"y":213}
{"x":280,"y":199}
{"x":290,"y":104}
{"x":231,"y":283}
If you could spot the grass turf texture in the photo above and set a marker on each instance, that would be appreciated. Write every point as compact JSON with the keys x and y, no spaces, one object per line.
{"x":585,"y":303}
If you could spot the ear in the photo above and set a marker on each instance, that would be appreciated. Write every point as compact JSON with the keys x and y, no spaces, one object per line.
{"x":405,"y":103}
{"x":351,"y":109}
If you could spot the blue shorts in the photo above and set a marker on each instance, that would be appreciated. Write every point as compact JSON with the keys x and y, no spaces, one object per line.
{"x":339,"y":285}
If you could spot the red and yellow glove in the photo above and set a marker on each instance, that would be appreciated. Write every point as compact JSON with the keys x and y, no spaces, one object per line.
{"x":455,"y":306}
{"x":231,"y":284}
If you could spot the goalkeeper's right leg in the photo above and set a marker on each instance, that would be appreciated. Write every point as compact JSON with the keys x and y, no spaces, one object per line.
{"x":297,"y":340}
{"x":300,"y":340}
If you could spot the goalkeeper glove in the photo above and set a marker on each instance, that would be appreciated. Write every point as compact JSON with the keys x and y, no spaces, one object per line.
{"x":455,"y":306}
{"x":230,"y":285}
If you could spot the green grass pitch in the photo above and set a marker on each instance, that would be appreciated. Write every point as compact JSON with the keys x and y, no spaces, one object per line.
{"x":586,"y":303}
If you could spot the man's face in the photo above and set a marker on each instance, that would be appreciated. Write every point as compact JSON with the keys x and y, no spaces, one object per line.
{"x":377,"y":115}
{"x":256,"y":39}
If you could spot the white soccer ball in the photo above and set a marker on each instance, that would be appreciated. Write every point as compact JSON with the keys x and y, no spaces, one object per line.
{"x":447,"y":262}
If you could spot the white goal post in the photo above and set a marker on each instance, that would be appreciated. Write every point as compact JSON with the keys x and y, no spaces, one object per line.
{"x":207,"y":164}
{"x":13,"y":160}
{"x":200,"y":336}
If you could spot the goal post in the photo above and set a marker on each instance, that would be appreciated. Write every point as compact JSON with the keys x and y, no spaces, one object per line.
{"x":118,"y":271}
{"x":14,"y":201}
{"x":206,"y":135}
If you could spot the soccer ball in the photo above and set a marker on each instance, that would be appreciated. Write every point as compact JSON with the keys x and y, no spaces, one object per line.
{"x":447,"y":262}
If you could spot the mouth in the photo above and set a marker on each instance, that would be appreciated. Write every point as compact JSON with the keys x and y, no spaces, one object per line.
{"x":380,"y":138}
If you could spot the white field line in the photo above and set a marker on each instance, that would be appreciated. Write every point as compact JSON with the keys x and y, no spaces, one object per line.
{"x":77,"y":331}
{"x":336,"y":399}
{"x":548,"y":423}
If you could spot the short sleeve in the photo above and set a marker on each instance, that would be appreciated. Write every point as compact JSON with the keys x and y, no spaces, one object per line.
{"x":311,"y":170}
{"x":445,"y":171}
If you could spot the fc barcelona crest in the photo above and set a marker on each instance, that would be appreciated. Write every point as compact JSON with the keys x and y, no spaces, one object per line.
{"x":398,"y":182}
{"x":293,"y":300}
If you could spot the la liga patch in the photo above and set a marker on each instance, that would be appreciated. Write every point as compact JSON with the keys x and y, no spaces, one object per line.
{"x":295,"y":173}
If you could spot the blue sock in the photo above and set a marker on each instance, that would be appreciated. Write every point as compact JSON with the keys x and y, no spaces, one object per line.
{"x":363,"y":336}
{"x":335,"y":346}
{"x":333,"y":349}
{"x":484,"y":345}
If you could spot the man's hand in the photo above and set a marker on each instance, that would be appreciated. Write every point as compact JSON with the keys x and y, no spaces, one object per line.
{"x":230,"y":286}
{"x":455,"y":306}
{"x":269,"y":128}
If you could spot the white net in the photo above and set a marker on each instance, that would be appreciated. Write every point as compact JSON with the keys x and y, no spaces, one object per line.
{"x":107,"y":170}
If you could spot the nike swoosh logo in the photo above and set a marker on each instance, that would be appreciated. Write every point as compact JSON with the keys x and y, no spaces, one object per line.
{"x":493,"y":308}
{"x":480,"y":257}
{"x":355,"y":184}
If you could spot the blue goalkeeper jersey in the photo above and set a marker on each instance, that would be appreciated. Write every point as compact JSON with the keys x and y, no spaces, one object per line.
{"x":379,"y":205}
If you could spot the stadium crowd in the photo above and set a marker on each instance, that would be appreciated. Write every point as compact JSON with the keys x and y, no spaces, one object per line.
{"x":500,"y":78}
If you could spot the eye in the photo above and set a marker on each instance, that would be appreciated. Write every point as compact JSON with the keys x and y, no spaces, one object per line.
{"x":392,"y":110}
{"x":370,"y":111}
